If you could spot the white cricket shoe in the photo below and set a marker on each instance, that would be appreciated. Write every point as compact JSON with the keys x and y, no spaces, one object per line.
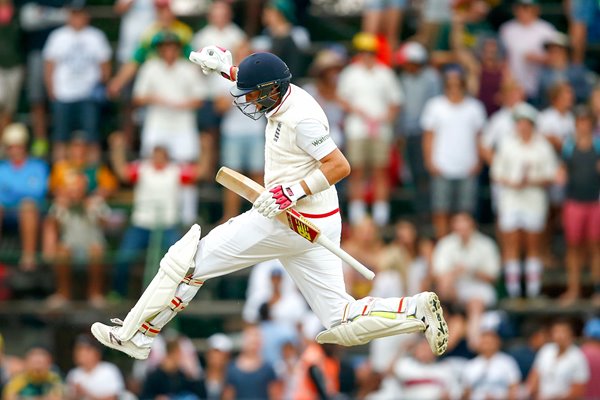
{"x":429,"y":310}
{"x":107,"y":335}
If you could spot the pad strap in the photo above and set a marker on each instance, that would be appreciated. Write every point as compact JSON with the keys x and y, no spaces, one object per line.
{"x":176,"y":305}
{"x":189,"y":280}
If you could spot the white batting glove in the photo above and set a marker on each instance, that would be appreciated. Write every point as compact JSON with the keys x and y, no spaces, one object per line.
{"x":278,"y":198}
{"x":213,"y":59}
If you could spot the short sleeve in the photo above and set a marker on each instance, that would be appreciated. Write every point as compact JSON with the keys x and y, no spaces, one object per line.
{"x":441,"y":258}
{"x":479,"y":115}
{"x":52,"y":48}
{"x":345,"y":84}
{"x":313,"y":137}
{"x":581,"y":371}
{"x":492,"y":258}
{"x":395,"y":93}
{"x":103,"y":49}
{"x":512,"y":371}
{"x":428,"y":121}
{"x":143,"y":83}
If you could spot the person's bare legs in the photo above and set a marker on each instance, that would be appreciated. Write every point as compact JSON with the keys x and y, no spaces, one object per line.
{"x":511,"y":252}
{"x":381,"y":207}
{"x":578,"y":33}
{"x":96,"y":275}
{"x":29,"y":219}
{"x":357,"y":207}
{"x":62,"y":271}
{"x":39,"y":121}
{"x":574,"y":263}
{"x":595,"y":269}
{"x":371,"y":21}
{"x":393,"y":26}
{"x":475,"y":309}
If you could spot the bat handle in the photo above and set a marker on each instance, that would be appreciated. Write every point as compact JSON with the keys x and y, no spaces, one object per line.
{"x":347,"y":258}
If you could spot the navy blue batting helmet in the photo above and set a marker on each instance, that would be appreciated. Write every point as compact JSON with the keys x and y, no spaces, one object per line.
{"x":265,"y":73}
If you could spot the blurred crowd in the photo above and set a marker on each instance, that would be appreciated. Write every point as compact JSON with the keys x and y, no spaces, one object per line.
{"x":474,"y":107}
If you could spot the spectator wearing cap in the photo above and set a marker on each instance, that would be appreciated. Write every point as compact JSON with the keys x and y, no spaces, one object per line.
{"x":77,"y":62}
{"x":168,"y":380}
{"x":523,"y":167}
{"x":216,"y":362}
{"x":92,"y":378}
{"x":372,"y":98}
{"x":466,"y":264}
{"x":11,"y":60}
{"x":523,"y":38}
{"x":591,"y":351}
{"x":37,"y":381}
{"x":559,"y":68}
{"x":581,"y":211}
{"x":249,"y":376}
{"x":146,"y":49}
{"x":170,"y":88}
{"x":283,"y":37}
{"x":242,"y":141}
{"x":420,"y":83}
{"x":493,"y":374}
{"x":452,"y":123}
{"x":560,"y":369}
{"x":23,"y":185}
{"x":157,"y":186}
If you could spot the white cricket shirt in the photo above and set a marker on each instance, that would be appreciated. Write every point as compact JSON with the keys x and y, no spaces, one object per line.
{"x":553,"y":123}
{"x":103,"y":381}
{"x":491,"y":378}
{"x":558,"y":373}
{"x":297,"y":137}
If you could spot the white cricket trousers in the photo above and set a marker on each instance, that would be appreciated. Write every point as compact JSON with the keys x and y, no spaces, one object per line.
{"x":250,"y":238}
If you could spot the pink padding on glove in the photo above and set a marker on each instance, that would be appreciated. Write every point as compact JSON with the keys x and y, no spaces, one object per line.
{"x":281,"y":199}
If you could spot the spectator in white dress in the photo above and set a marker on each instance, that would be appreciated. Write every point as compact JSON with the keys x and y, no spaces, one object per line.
{"x":523,"y":167}
{"x":523,"y":38}
{"x":560,"y":370}
{"x":466,"y":264}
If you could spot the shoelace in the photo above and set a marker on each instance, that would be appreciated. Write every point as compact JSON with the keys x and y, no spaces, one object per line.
{"x":117,"y":321}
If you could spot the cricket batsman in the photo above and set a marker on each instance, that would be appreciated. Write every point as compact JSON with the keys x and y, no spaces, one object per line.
{"x":302,"y":166}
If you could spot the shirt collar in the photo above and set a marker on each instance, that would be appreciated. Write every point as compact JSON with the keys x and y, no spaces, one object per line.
{"x":282,"y":106}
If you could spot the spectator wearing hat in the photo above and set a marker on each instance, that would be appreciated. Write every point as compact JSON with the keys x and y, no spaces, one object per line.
{"x":452,"y":123}
{"x":591,"y":351}
{"x":523,"y":167}
{"x":11,"y":60}
{"x":420,"y":83}
{"x":37,"y":381}
{"x":23,"y":185}
{"x":466,"y":264}
{"x":560,"y":369}
{"x":581,"y":212}
{"x":523,"y":38}
{"x":559,"y":68}
{"x":171,"y":90}
{"x":217,"y":359}
{"x":372,"y":98}
{"x":92,"y":378}
{"x":157,"y":186}
{"x":77,"y":62}
{"x":283,"y":37}
{"x":493,"y":374}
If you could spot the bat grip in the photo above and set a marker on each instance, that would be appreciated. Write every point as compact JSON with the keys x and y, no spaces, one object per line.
{"x":347,"y":258}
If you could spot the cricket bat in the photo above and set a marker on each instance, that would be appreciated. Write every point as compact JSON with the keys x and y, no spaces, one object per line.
{"x":250,"y":190}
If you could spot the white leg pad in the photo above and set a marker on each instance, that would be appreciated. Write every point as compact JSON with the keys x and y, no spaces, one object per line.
{"x":371,"y":318}
{"x":161,"y":291}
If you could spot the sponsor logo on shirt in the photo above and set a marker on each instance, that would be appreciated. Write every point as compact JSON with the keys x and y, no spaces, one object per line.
{"x":320,"y":140}
{"x":277,"y":131}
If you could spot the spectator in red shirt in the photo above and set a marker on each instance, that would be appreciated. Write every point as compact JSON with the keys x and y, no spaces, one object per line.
{"x":157,"y":185}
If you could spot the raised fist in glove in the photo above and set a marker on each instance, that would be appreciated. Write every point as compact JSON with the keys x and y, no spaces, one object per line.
{"x":278,"y":199}
{"x":213,"y":59}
